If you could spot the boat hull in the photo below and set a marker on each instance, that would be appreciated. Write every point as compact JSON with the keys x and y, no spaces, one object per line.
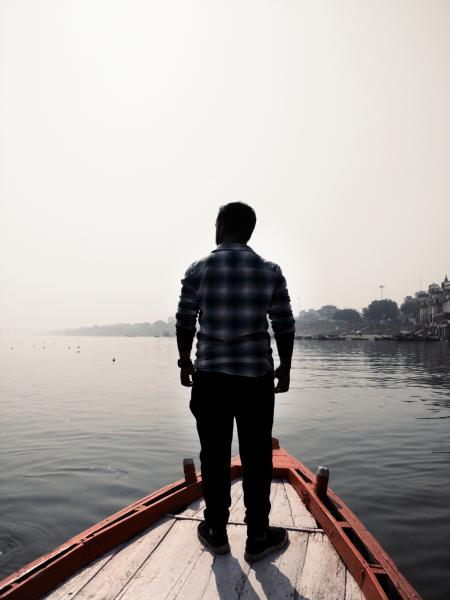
{"x":372,"y":568}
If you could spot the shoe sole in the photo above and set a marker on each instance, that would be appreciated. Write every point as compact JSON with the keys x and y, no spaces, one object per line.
{"x":216,"y":549}
{"x":256,"y":557}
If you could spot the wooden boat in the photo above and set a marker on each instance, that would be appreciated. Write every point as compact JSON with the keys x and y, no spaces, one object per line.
{"x":150,"y":550}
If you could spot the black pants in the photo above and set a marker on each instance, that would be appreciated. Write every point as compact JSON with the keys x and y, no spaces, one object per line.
{"x":216,"y":400}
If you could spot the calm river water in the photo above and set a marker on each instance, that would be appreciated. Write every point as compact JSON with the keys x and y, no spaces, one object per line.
{"x":82,"y":436}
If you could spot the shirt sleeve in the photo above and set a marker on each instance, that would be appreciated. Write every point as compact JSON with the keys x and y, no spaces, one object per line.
{"x":187,"y":310}
{"x":280,"y":311}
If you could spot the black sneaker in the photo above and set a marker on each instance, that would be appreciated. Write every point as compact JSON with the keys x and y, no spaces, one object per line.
{"x":258,"y":547}
{"x":215,"y":540}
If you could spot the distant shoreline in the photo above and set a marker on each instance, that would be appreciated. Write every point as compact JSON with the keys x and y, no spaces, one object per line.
{"x":370,"y":338}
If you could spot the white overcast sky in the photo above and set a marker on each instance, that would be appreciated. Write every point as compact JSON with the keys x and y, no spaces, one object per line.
{"x":126,"y":124}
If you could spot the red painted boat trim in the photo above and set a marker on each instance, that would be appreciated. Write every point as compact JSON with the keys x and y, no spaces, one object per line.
{"x":370,"y":565}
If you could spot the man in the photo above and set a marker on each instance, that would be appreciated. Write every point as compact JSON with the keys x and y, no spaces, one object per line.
{"x":232,"y":290}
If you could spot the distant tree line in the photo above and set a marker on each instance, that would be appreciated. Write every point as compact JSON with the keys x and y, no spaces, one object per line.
{"x":350,"y":315}
{"x":157,"y":329}
{"x":388,"y":310}
{"x":381,"y":310}
{"x":378,"y":313}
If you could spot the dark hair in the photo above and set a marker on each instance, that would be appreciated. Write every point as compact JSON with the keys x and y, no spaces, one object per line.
{"x":237,"y":219}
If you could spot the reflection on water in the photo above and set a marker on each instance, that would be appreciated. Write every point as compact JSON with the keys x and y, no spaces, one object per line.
{"x":83,"y":436}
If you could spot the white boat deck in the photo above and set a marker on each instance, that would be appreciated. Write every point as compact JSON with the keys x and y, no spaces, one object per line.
{"x":167,"y":561}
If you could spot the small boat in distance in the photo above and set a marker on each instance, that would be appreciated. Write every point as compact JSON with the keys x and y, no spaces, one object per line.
{"x":150,"y":550}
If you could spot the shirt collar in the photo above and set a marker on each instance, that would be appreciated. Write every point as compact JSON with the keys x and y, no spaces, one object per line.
{"x":233,"y":246}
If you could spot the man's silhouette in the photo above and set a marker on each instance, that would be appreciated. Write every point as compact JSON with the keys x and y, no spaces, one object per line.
{"x":231,"y":291}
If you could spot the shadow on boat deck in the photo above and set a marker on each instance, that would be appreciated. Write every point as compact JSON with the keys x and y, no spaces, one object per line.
{"x":273,"y":582}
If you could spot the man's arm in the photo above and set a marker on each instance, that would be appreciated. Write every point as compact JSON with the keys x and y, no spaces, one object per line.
{"x":186,"y":319}
{"x":283,"y":325}
{"x":185,"y":338}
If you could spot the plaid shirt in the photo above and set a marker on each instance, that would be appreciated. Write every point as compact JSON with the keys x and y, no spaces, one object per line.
{"x":232,"y":290}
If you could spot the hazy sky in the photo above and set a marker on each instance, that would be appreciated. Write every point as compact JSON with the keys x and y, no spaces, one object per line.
{"x":126,"y":124}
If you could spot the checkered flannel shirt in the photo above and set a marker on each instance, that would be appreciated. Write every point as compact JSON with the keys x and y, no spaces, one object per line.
{"x":231,"y":291}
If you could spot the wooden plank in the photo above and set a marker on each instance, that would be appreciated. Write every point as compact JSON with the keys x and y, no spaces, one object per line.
{"x":237,"y":508}
{"x":118,"y":571}
{"x":300,"y":514}
{"x":237,"y":512}
{"x":171,"y":560}
{"x":275,"y":576}
{"x":352,"y":589}
{"x":72,"y":586}
{"x":196,"y":508}
{"x":215,"y":577}
{"x":273,"y":494}
{"x":281,"y":514}
{"x":236,"y":493}
{"x":323,"y":574}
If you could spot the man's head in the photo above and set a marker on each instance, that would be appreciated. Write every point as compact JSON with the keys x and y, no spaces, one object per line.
{"x":235,"y":223}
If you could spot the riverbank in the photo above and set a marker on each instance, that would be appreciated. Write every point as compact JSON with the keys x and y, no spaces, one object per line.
{"x":399,"y":337}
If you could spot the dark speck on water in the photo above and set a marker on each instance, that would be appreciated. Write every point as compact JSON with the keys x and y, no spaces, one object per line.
{"x":376,"y":413}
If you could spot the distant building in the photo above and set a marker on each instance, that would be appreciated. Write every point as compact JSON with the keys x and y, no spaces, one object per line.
{"x":327,"y":312}
{"x":422,"y":298}
{"x":309,"y":315}
{"x":446,"y":303}
{"x":435,"y":303}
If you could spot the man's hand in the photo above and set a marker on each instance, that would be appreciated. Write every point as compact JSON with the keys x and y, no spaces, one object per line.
{"x":186,"y":374}
{"x":284,"y":378}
